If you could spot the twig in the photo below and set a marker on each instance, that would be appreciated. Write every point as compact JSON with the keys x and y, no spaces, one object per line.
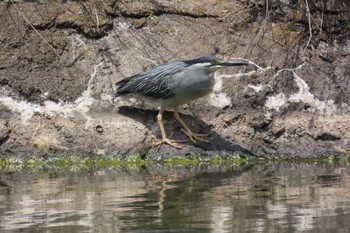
{"x":31,"y":25}
{"x":97,"y":20}
{"x":261,"y":31}
{"x":289,"y":48}
{"x":253,"y":72}
{"x":147,"y":59}
{"x":309,"y":21}
{"x":267,"y":10}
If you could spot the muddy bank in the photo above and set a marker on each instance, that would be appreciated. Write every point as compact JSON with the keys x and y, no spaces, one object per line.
{"x":59,"y":63}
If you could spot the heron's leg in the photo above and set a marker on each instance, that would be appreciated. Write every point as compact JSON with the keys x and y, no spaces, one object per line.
{"x":187,"y":130}
{"x":164,"y":139}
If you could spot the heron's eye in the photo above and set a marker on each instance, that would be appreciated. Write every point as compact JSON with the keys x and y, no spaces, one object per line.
{"x":215,"y":62}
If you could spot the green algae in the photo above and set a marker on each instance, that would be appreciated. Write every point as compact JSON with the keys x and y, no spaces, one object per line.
{"x":76,"y":161}
{"x":90,"y":161}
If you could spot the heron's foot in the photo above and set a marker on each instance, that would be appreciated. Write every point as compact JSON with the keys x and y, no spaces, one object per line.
{"x":195,"y":136}
{"x":158,"y":142}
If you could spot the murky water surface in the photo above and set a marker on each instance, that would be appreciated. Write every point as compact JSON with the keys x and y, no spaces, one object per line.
{"x":262,"y":198}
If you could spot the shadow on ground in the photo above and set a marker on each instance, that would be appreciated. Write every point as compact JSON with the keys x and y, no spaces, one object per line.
{"x":216,"y":145}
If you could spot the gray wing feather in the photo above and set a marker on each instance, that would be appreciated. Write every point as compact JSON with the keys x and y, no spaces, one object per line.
{"x":156,"y":82}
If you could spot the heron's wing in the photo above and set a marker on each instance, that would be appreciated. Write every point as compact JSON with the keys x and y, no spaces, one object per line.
{"x":156,"y":82}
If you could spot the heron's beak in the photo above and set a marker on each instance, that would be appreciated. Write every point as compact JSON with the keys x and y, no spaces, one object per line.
{"x":235,"y":62}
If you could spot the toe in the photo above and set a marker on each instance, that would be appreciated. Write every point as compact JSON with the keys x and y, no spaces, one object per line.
{"x":194,"y":136}
{"x":167,"y":141}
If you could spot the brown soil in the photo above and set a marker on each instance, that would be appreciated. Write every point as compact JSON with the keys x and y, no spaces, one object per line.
{"x":59,"y":62}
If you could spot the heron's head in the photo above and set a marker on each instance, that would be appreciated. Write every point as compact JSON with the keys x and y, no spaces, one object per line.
{"x":214,"y":63}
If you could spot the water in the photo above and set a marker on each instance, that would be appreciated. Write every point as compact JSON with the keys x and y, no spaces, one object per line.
{"x":262,"y":198}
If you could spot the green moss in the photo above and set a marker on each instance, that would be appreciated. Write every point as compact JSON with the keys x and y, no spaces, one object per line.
{"x":134,"y":160}
{"x":76,"y":161}
{"x":111,"y":162}
{"x":346,"y":159}
{"x":178,"y":161}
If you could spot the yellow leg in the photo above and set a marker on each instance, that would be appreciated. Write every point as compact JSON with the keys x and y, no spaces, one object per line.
{"x":160,"y":123}
{"x":187,"y":130}
{"x":164,"y":139}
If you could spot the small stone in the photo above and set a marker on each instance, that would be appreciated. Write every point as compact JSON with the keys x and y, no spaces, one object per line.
{"x":139,"y":23}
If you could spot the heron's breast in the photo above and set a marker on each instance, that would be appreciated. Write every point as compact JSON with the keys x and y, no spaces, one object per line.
{"x":193,"y":88}
{"x":200,"y":85}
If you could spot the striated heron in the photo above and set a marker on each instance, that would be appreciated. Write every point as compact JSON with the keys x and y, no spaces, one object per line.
{"x":173,"y":84}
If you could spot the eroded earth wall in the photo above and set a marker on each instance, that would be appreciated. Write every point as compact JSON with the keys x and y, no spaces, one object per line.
{"x":59,"y":62}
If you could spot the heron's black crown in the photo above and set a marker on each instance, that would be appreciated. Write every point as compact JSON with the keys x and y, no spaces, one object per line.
{"x":204,"y":59}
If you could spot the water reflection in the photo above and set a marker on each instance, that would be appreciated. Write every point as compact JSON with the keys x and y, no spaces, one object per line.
{"x":263,"y":198}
